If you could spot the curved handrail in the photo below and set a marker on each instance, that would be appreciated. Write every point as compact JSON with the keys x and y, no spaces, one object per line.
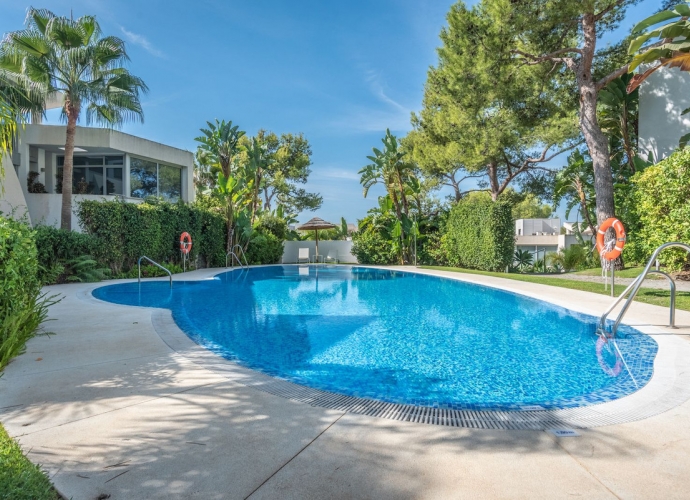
{"x":634,"y":287}
{"x":155,"y":264}
{"x":246,"y":264}
{"x":232,"y":254}
{"x":672,"y":287}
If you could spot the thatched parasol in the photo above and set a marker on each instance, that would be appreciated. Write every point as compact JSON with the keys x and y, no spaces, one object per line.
{"x":314,"y":225}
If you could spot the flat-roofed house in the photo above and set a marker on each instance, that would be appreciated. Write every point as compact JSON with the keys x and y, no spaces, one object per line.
{"x":108,"y":164}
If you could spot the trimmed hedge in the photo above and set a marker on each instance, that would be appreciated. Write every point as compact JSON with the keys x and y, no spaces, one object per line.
{"x":480,"y":235}
{"x":264,"y":248}
{"x":55,"y":247}
{"x":662,"y":201}
{"x":22,"y":308}
{"x":126,"y":231}
{"x":371,"y":245}
{"x":19,"y":283}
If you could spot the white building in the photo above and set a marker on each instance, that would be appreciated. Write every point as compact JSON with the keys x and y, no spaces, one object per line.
{"x":543,"y":235}
{"x":107,"y":165}
{"x":663,"y":97}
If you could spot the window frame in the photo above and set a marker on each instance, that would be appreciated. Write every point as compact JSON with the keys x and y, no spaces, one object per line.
{"x":103,"y":166}
{"x":158,"y":170}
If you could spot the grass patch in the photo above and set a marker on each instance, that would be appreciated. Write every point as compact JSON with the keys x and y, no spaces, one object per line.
{"x":19,"y":478}
{"x":646,"y":295}
{"x":630,"y":272}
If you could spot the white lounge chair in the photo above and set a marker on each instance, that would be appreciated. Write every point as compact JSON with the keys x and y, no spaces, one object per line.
{"x":303,"y":255}
{"x":332,"y":256}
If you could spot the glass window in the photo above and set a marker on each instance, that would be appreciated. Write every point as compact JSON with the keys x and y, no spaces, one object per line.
{"x":169,"y":182}
{"x":143,"y":178}
{"x":113,"y":181}
{"x":88,"y":175}
{"x":114,"y":160}
{"x":87,"y":180}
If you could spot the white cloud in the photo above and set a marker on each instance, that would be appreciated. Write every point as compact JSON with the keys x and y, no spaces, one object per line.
{"x":142,"y":42}
{"x":374,"y":80}
{"x":337,"y":173}
{"x":391,"y":114}
{"x":361,"y":119}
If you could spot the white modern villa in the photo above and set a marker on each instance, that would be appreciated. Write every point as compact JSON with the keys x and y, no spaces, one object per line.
{"x":661,"y":124}
{"x":544,"y":235}
{"x":108,"y":164}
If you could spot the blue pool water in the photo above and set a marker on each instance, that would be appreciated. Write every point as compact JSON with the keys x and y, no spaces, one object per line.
{"x":401,"y":337}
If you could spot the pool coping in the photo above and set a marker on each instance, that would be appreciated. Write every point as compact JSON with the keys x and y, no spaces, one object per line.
{"x":668,"y":387}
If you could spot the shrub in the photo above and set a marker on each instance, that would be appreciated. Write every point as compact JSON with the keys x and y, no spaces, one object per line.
{"x":662,"y":204}
{"x":22,"y":308}
{"x":480,"y":235}
{"x":371,"y":246}
{"x":56,"y":248}
{"x":264,"y":248}
{"x":126,"y":231}
{"x":19,"y":478}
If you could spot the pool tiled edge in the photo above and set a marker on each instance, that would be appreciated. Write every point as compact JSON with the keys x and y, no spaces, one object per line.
{"x":669,"y":387}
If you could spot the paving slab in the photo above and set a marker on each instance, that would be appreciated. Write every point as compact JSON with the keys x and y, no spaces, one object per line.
{"x":367,"y":457}
{"x":219,"y":441}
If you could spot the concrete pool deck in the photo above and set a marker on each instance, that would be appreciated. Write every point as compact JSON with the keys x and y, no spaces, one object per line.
{"x":108,"y":407}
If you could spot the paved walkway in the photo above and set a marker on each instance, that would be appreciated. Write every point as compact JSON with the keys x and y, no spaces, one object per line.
{"x":657,"y":281}
{"x":108,"y":408}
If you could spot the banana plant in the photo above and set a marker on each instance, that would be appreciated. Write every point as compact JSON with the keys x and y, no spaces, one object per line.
{"x":671,"y":49}
{"x":617,"y":114}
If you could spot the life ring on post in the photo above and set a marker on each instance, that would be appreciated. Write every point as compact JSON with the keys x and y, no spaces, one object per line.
{"x":615,"y":252}
{"x":185,"y":243}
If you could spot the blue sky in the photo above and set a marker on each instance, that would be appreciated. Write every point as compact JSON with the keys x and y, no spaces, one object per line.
{"x":340,"y":72}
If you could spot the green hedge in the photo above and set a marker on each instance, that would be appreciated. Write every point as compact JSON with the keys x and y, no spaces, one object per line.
{"x":126,"y":231}
{"x":55,"y":247}
{"x":480,"y":235}
{"x":264,"y":248}
{"x":19,"y":282}
{"x":22,"y":309}
{"x":662,"y":202}
{"x":371,"y":244}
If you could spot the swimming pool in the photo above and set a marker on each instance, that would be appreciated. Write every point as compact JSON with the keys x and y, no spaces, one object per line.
{"x":401,"y":337}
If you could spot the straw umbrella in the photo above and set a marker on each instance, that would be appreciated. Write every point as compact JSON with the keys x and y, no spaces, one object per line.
{"x":314,"y":225}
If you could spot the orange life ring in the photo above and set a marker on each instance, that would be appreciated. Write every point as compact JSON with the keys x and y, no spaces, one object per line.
{"x":620,"y":238}
{"x":185,"y":243}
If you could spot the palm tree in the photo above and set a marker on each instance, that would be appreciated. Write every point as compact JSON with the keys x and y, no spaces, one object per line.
{"x":16,"y":101}
{"x":69,"y":56}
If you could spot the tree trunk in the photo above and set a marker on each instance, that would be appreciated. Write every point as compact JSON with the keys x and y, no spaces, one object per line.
{"x":597,"y":143}
{"x":67,"y":168}
{"x":492,"y":171}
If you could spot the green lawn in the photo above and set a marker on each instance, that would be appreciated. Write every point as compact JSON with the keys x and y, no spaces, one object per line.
{"x":647,"y":295}
{"x":631,"y":272}
{"x":19,"y":478}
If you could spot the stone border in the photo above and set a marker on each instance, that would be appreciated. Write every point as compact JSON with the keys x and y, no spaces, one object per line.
{"x":668,"y":387}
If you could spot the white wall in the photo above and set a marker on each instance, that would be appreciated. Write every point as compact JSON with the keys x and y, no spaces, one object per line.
{"x":528,"y":227}
{"x":344,"y":249}
{"x":12,"y":198}
{"x":46,"y":208}
{"x":663,"y":96}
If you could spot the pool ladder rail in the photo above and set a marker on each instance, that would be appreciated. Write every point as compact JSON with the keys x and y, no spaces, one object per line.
{"x":233,"y":255}
{"x":631,"y":292}
{"x":155,"y":264}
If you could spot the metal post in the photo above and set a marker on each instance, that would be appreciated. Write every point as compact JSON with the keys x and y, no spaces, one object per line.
{"x":415,"y":243}
{"x":613,"y":272}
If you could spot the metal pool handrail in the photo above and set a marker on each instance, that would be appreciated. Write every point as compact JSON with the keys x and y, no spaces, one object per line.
{"x":241,"y":254}
{"x":634,"y":287}
{"x":155,"y":264}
